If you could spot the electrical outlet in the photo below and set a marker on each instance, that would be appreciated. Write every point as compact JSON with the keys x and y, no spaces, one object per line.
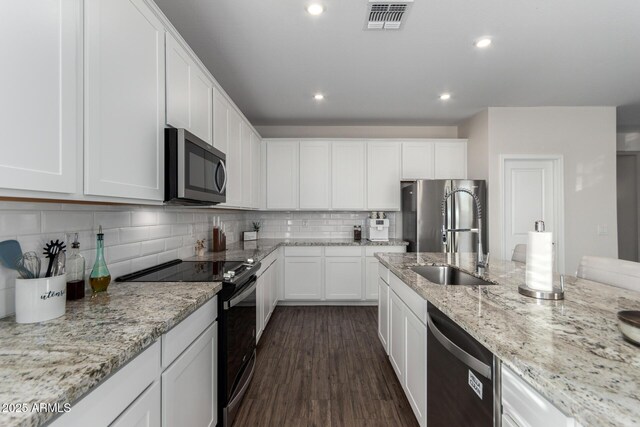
{"x":305,"y":223}
{"x":603,"y":230}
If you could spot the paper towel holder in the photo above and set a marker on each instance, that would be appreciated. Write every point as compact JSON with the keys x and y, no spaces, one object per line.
{"x":556,"y":294}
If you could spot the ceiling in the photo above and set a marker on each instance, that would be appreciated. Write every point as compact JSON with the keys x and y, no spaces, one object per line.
{"x":272,"y":57}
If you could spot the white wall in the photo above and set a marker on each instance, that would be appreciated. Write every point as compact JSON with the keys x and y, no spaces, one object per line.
{"x":358,"y":131}
{"x":476,"y":130}
{"x":586,"y":138}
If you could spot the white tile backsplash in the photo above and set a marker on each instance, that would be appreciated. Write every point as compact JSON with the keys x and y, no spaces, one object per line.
{"x":137,"y":237}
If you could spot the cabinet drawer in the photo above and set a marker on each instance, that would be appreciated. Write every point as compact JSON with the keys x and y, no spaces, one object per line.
{"x":184,"y":333}
{"x":303,"y":251}
{"x":105,"y":403}
{"x":383,"y":272}
{"x":526,"y":407}
{"x":415,"y":302}
{"x":372,"y":250}
{"x":342,"y":251}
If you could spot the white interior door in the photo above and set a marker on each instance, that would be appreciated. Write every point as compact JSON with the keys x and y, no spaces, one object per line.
{"x":529,"y":195}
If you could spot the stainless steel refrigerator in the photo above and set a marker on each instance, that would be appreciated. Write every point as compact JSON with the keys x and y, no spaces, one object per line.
{"x":423,"y":221}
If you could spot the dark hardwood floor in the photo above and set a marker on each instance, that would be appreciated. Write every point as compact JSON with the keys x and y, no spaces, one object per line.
{"x":324,"y":366}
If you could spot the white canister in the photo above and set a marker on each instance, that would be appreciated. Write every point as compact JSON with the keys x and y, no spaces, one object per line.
{"x":42,"y":299}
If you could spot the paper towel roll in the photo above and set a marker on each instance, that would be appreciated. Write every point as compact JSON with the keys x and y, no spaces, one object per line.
{"x":539,"y":269}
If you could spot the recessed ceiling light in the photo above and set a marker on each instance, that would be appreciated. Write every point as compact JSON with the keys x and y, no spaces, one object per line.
{"x":483,"y":42}
{"x":445,"y":96}
{"x":315,"y":9}
{"x":318,"y":97}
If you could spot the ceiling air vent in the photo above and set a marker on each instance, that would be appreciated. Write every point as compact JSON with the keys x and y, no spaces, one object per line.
{"x":386,"y":15}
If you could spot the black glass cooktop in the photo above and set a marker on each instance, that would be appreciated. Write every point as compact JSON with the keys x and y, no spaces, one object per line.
{"x":188,"y":271}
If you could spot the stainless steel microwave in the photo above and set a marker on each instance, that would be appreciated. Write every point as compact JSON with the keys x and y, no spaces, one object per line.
{"x":195,"y":172}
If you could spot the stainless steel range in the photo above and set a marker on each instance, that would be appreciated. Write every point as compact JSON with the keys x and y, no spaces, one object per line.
{"x":236,"y":319}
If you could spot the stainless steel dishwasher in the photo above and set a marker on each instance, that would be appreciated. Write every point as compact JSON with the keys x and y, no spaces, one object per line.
{"x":461,"y":375}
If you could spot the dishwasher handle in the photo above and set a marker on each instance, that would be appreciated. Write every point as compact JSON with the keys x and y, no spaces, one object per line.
{"x":472,"y":362}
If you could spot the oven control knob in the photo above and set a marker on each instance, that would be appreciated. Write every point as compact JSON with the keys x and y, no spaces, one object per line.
{"x":226,"y":276}
{"x":250,"y":261}
{"x":232,"y":274}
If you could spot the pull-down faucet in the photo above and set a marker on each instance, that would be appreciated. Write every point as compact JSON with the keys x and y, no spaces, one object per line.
{"x":482,"y":261}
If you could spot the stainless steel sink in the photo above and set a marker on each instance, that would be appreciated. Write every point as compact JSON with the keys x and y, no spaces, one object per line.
{"x":447,"y":275}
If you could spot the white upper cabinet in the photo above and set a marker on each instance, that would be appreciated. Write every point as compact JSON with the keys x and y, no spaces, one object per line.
{"x":348,"y":175}
{"x":220,"y":122}
{"x":124,"y":100}
{"x":39,"y":107}
{"x":450,"y":159}
{"x":282,"y":174}
{"x":256,"y":171}
{"x":234,"y":160}
{"x":383,"y":175}
{"x":247,"y":164}
{"x":189,"y":92}
{"x":315,"y":175}
{"x":418,"y":160}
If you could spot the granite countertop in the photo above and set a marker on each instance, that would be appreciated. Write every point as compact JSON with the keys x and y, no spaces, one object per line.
{"x":60,"y":360}
{"x":259,"y":249}
{"x":570,"y":351}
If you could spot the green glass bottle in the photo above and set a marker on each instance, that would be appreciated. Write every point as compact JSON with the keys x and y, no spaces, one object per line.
{"x":100,"y":276}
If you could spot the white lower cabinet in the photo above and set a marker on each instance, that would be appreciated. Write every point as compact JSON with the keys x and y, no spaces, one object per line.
{"x":383,"y":313}
{"x":522,"y":406}
{"x":396,"y":334}
{"x":415,"y":351}
{"x":140,"y":394}
{"x":303,"y":278}
{"x":266,"y":296}
{"x":371,"y":278}
{"x":407,"y":345}
{"x":343,"y":278}
{"x":189,"y":385}
{"x":144,"y":412}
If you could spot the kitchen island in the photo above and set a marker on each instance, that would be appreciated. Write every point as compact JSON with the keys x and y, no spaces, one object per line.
{"x":569,"y":351}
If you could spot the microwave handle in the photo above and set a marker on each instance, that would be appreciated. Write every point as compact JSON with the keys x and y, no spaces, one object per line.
{"x":224,"y":182}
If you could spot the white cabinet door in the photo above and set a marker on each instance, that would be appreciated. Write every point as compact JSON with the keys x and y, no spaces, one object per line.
{"x":144,"y":412}
{"x":256,"y":171}
{"x":303,"y":278}
{"x":266,"y":297}
{"x":247,"y":165}
{"x":371,"y":278}
{"x":418,"y":160}
{"x":201,"y":104}
{"x":189,"y":92}
{"x":282,"y":175}
{"x":343,"y":278}
{"x":220,"y":122}
{"x":276,"y":281}
{"x":259,"y":306}
{"x":383,"y":175}
{"x":234,"y":160}
{"x":396,"y":334}
{"x":450,"y":160}
{"x":525,"y":407}
{"x":383,"y":313}
{"x":415,"y":351}
{"x":348,"y":187}
{"x":40,"y":113}
{"x":189,"y":385}
{"x":315,"y":176}
{"x":178,"y":74}
{"x":124,"y":100}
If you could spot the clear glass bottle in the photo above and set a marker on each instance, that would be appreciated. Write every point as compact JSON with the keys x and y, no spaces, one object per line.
{"x":75,"y":267}
{"x":100,"y":276}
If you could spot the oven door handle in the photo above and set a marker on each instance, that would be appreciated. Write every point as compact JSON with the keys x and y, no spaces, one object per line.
{"x":234,"y":301}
